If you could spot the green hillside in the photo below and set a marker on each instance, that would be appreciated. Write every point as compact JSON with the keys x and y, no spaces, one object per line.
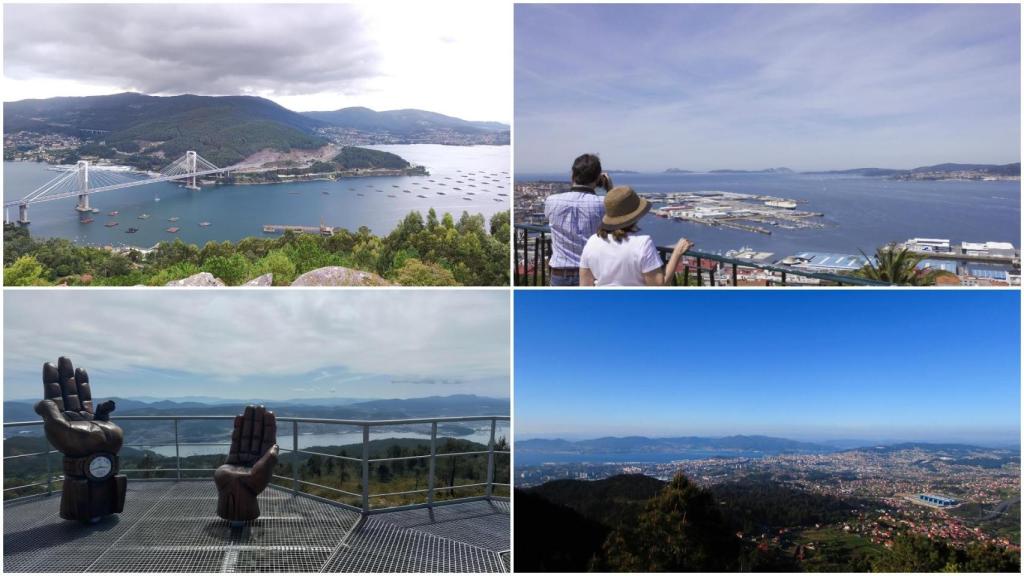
{"x":224,"y":129}
{"x":352,"y":157}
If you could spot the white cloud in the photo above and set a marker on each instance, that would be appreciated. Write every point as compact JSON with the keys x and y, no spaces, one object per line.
{"x":452,"y":57}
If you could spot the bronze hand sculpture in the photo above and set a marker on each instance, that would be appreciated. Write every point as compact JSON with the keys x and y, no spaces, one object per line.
{"x":88,"y":440}
{"x":250,"y":465}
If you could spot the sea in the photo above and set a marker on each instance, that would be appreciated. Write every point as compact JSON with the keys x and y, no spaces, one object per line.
{"x":238,"y":211}
{"x":860,"y":213}
{"x":307,"y":441}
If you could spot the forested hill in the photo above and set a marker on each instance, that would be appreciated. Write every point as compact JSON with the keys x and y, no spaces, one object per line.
{"x":223,"y":129}
{"x":401,"y":122}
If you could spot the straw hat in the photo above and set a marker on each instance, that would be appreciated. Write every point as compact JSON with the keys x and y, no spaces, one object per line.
{"x":623,"y":208}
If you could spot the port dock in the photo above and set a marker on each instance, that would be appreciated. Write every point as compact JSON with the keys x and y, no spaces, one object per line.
{"x":282,"y":228}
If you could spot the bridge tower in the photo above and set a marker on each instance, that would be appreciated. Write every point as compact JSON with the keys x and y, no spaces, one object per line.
{"x":83,"y":187}
{"x":23,"y":214}
{"x":191,"y":167}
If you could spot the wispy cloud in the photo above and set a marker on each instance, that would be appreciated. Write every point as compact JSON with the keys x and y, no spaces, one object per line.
{"x":705,"y":86}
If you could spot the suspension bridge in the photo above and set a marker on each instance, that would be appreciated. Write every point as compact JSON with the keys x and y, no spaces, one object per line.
{"x":80,"y":182}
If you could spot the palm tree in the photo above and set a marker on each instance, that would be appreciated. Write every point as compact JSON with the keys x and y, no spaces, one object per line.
{"x":896,"y":266}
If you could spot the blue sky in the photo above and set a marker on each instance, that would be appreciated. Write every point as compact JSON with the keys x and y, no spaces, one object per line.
{"x":272,"y":345}
{"x":814,"y":365}
{"x":705,"y":86}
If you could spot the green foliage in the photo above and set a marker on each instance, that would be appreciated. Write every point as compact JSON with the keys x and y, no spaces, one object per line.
{"x":233,"y":269}
{"x":680,"y":530}
{"x":897,"y":266}
{"x":914,"y":553}
{"x":277,"y":263}
{"x":416,"y":273}
{"x":352,"y":157}
{"x":25,"y":271}
{"x":415,"y":253}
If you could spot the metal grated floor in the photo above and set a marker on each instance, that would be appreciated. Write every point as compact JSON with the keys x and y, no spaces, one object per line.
{"x":173,"y":527}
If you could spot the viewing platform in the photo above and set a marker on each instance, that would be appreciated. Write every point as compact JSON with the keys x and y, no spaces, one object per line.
{"x":170,"y":522}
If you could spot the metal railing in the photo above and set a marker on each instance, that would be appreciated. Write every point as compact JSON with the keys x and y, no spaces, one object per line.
{"x":532,"y":248}
{"x":297,"y":483}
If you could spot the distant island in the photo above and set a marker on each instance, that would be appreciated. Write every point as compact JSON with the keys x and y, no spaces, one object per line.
{"x":764,"y":171}
{"x":146,"y":132}
{"x":946,"y":171}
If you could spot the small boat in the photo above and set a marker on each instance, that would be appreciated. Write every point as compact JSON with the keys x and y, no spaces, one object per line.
{"x":204,"y":224}
{"x":173,"y":229}
{"x":440,"y":193}
{"x":131,"y":231}
{"x":359,"y":193}
{"x":87,"y":220}
{"x":110,"y":224}
{"x":459,"y":189}
{"x":394,"y":185}
{"x":467,"y":198}
{"x":471,"y":193}
{"x":407,"y":192}
{"x":391,"y":195}
{"x":420,"y":196}
{"x":502,"y":194}
{"x":143,"y":216}
{"x":325,"y":192}
{"x":498,"y":200}
{"x":173,"y":219}
{"x":114,"y":213}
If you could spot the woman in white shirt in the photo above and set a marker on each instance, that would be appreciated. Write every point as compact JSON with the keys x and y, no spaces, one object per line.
{"x":617,"y":255}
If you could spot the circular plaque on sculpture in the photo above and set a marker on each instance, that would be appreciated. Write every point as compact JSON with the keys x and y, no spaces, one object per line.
{"x":99,"y":467}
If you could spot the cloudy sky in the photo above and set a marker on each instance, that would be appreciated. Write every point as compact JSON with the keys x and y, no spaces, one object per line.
{"x":805,"y":86}
{"x":267,"y":345}
{"x":449,"y":57}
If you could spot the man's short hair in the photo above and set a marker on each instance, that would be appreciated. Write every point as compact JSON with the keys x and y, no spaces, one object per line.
{"x":586,"y":169}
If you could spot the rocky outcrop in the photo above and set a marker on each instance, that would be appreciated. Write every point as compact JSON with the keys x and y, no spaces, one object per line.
{"x":339,"y":276}
{"x":328,"y":276}
{"x":264,"y":280}
{"x":201,"y":279}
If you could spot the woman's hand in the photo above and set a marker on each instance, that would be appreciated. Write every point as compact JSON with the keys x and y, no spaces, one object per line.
{"x":682,"y":246}
{"x":673,"y":261}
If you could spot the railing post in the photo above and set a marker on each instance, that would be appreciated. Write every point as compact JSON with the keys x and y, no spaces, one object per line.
{"x":543,"y":261}
{"x":366,"y":468}
{"x":49,"y":471}
{"x":490,"y":460}
{"x":177,"y":450}
{"x":433,"y":458}
{"x":295,"y":456}
{"x":536,"y":261}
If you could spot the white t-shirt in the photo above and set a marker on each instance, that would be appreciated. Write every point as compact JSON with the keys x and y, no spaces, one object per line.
{"x":620,"y":263}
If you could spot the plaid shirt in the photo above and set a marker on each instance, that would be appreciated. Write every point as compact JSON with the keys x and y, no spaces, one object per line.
{"x":574,"y":217}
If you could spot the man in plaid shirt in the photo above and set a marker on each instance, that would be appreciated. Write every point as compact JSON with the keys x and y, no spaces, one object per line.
{"x":574,"y":216}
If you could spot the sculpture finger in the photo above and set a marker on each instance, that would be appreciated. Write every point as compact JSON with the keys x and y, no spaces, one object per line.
{"x":269,"y":432}
{"x":262,"y":470}
{"x":245,"y":442}
{"x":68,"y":386}
{"x":84,"y":390}
{"x":51,"y":385}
